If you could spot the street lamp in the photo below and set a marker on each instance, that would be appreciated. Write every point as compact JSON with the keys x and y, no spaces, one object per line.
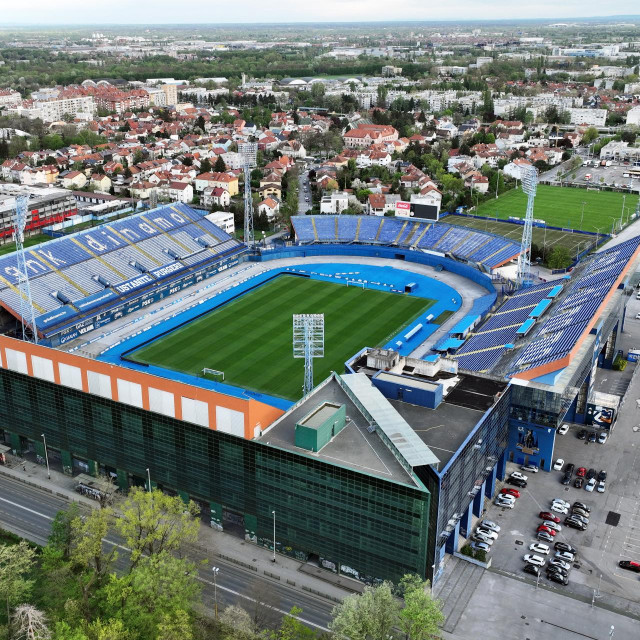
{"x":46,"y":456}
{"x":149,"y":479}
{"x":215,"y":590}
{"x":273,"y":513}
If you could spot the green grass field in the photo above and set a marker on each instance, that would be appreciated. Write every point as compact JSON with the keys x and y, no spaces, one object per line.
{"x":250,"y":338}
{"x":10,"y":247}
{"x":562,"y":207}
{"x":575,"y":242}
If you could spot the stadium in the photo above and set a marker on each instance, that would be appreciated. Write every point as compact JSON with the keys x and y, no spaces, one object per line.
{"x":164,"y":352}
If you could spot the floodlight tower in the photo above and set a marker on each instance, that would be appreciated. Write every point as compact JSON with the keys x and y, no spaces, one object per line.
{"x":529,"y":178}
{"x":27,"y":312}
{"x":249,"y":153}
{"x":308,"y":343}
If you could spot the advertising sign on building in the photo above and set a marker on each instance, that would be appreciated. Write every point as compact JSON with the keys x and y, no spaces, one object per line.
{"x":600,"y":417}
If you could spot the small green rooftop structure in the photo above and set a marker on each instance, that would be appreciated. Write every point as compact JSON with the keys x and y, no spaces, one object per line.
{"x":318,"y":427}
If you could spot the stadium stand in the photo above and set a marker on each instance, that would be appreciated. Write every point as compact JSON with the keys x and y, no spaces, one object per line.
{"x":559,"y":334}
{"x":121,"y":257}
{"x":462,"y":243}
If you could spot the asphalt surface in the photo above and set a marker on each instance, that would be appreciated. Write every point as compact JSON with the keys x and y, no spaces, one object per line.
{"x":303,"y":183}
{"x":28,"y":512}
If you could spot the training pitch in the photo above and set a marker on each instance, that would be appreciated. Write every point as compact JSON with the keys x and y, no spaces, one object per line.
{"x":250,"y":338}
{"x":562,"y":207}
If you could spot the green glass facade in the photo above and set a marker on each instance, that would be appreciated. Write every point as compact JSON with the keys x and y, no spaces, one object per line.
{"x":369,"y":527}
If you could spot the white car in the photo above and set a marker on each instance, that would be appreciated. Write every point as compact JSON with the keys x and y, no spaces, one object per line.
{"x":602,"y":438}
{"x":558,"y":464}
{"x":480,"y":537}
{"x":538,"y":547}
{"x":530,"y":467}
{"x":517,"y":474}
{"x":507,"y":496}
{"x":531,"y":558}
{"x":488,"y":533}
{"x":601,"y":487}
{"x":591,"y":485}
{"x":552,"y":525}
{"x":565,"y":555}
{"x":564,"y":503}
{"x":489,"y":524}
{"x":559,"y":508}
{"x":563,"y":429}
{"x":505,"y":504}
{"x":558,"y":562}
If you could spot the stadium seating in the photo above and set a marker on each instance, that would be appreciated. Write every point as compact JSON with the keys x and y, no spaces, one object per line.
{"x":151,"y":240}
{"x":460,"y":242}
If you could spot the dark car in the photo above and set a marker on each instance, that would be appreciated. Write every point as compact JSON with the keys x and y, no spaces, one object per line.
{"x":558,"y":577}
{"x":518,"y":482}
{"x":578,"y":482}
{"x":582,"y":434}
{"x":602,"y":475}
{"x":574,"y":523}
{"x":591,"y":474}
{"x":563,"y":546}
{"x":593,"y":437}
{"x":629,"y":565}
{"x":566,"y":478}
{"x":532,"y":569}
{"x":544,"y":536}
{"x":582,"y":505}
{"x":570,"y":467}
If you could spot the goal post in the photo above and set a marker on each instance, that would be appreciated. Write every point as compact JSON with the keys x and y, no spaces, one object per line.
{"x":355,"y":283}
{"x":213,"y":372}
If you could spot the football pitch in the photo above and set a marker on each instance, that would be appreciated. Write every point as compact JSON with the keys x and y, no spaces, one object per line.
{"x":562,"y":207}
{"x":250,"y":338}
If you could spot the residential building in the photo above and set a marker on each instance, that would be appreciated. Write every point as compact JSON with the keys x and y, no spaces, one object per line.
{"x":73,"y":180}
{"x":334,"y":202}
{"x":215,"y":196}
{"x":633,"y":116}
{"x":224,"y":220}
{"x":171,"y":94}
{"x":590,"y":117}
{"x":270,"y":207}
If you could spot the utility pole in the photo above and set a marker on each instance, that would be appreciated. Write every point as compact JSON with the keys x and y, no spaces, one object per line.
{"x":582,"y":216}
{"x":274,"y":536}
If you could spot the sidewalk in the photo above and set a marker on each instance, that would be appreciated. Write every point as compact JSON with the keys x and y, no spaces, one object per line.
{"x":212,"y":544}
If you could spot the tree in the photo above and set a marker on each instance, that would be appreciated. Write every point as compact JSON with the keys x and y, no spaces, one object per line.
{"x":29,"y":623}
{"x":368,"y":616}
{"x":152,"y":522}
{"x":16,"y":563}
{"x":61,"y":536}
{"x":236,"y":622}
{"x":382,"y":96}
{"x":560,"y":258}
{"x":205,"y":166}
{"x":175,"y":625}
{"x":422,"y":616}
{"x":590,"y":135}
{"x":292,"y":629}
{"x":219,"y":166}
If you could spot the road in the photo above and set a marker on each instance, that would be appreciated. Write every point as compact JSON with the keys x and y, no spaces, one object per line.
{"x":28,"y":512}
{"x":303,"y":191}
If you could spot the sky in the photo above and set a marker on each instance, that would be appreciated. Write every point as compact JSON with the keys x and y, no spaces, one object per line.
{"x":46,"y":12}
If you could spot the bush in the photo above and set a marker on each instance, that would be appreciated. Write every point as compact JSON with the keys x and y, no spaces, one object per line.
{"x":481,"y":555}
{"x":467,"y":551}
{"x":619,"y":364}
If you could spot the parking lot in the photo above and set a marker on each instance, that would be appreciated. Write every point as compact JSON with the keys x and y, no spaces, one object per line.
{"x":605,"y":176}
{"x":613,"y":533}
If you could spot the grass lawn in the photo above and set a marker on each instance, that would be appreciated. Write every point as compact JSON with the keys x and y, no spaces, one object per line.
{"x":562,"y":207}
{"x":575,"y":242}
{"x":250,"y":338}
{"x":10,"y":247}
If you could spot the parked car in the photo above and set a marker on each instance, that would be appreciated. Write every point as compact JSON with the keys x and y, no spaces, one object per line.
{"x":629,"y":565}
{"x":602,"y":438}
{"x":582,"y":434}
{"x":577,"y":511}
{"x":564,"y":503}
{"x":582,"y":505}
{"x":566,"y":478}
{"x":559,"y":562}
{"x":558,"y":577}
{"x":590,"y":486}
{"x":552,"y":525}
{"x":506,"y":496}
{"x":565,"y":546}
{"x":558,"y":464}
{"x":559,"y":508}
{"x":544,"y":536}
{"x":517,"y":482}
{"x":580,"y":517}
{"x":480,"y":546}
{"x":531,"y":558}
{"x":517,"y":474}
{"x":532,"y":569}
{"x":602,"y":475}
{"x":551,"y":532}
{"x":574,"y":523}
{"x":530,"y":467}
{"x":563,"y":429}
{"x":591,"y":474}
{"x":505,"y":504}
{"x":578,"y":482}
{"x":489,"y":524}
{"x":510,"y":492}
{"x":541,"y":549}
{"x":570,"y":467}
{"x":488,"y":533}
{"x":479,"y":537}
{"x":565,"y":555}
{"x":547,"y":515}
{"x":600,"y":487}
{"x":581,"y":472}
{"x":592,"y":436}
